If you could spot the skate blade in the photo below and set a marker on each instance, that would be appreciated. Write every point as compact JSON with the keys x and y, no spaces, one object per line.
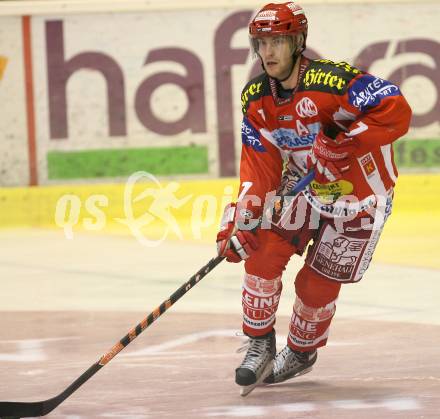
{"x":245,"y":390}
{"x":305,"y":371}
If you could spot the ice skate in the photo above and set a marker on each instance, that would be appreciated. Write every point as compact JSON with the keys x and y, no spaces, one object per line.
{"x":289,"y":364}
{"x":257,"y":363}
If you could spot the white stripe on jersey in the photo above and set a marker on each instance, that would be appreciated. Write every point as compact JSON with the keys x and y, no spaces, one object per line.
{"x":371,"y":174}
{"x":269,"y":137}
{"x":386,"y":152}
{"x":299,"y":157}
{"x":267,"y":134}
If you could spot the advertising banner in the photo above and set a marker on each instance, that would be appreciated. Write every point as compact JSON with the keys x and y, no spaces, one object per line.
{"x":93,"y":97}
{"x":14,"y":156}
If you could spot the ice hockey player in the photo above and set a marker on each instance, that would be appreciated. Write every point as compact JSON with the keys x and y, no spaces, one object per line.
{"x":298,"y":115}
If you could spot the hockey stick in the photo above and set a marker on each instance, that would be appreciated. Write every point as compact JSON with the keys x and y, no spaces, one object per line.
{"x":16,"y":410}
{"x":302,"y":183}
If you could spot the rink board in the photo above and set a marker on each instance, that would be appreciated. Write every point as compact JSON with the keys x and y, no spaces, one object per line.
{"x":101,"y":207}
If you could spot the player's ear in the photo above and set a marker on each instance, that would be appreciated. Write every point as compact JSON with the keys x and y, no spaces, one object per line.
{"x":300,"y":41}
{"x":296,"y":43}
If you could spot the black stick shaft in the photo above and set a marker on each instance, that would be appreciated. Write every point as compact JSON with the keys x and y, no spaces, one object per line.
{"x":16,"y":410}
{"x":31,"y":409}
{"x":158,"y":311}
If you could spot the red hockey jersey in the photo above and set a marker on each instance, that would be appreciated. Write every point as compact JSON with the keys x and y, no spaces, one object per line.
{"x":334,"y":97}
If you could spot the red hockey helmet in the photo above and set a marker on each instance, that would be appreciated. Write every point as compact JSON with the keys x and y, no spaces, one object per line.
{"x":276,"y":19}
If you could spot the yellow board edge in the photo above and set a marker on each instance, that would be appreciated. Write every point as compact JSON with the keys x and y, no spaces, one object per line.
{"x":411,"y":236}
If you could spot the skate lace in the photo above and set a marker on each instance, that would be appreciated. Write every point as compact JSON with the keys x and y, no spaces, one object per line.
{"x":255,"y":349}
{"x":286,"y":359}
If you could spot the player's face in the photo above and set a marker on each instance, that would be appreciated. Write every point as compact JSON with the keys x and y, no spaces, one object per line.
{"x":276,"y":54}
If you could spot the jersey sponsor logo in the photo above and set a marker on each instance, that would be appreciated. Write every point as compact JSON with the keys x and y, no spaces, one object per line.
{"x":331,"y":259}
{"x":328,"y":76}
{"x":250,"y":136}
{"x":318,"y":79}
{"x":306,"y":108}
{"x":340,"y":208}
{"x":303,"y":329}
{"x":289,"y":139}
{"x":252,"y":90}
{"x":342,"y":65}
{"x":369,"y":91}
{"x":368,"y":165}
{"x":337,"y":255}
{"x":328,"y":193}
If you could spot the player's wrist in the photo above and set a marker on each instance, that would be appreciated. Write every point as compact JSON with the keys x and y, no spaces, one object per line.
{"x":236,"y":239}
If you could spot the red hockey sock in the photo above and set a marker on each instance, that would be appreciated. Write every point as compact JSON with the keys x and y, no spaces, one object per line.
{"x":313,"y":310}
